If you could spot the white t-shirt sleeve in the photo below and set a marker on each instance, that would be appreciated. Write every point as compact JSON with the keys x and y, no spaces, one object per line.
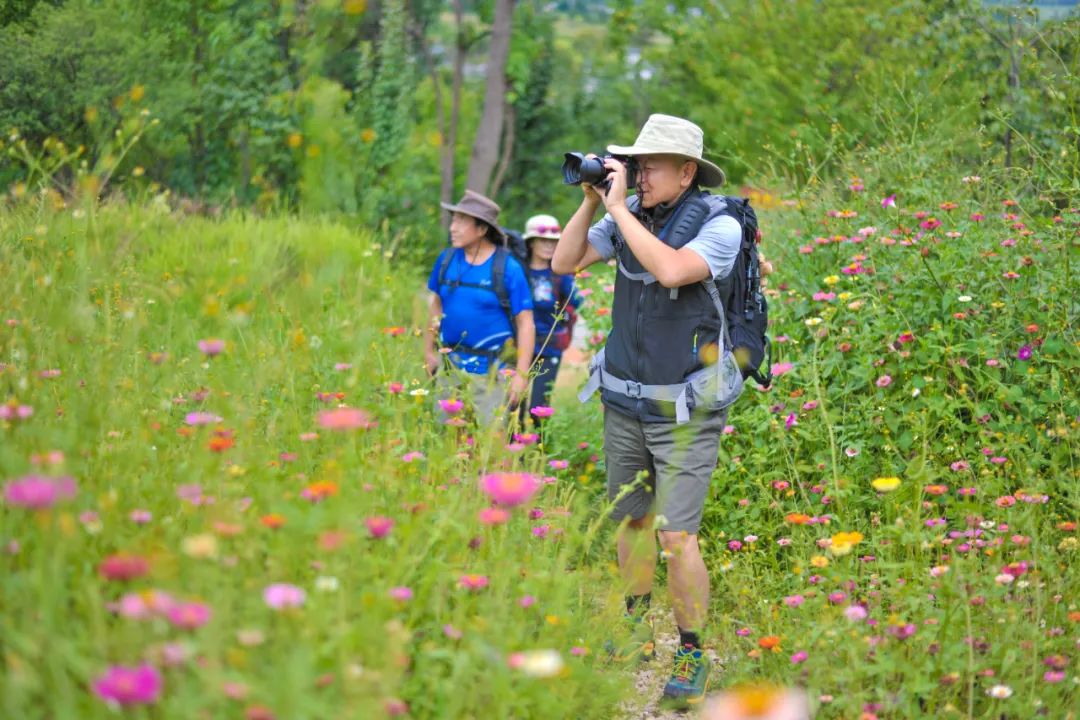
{"x":718,"y":244}
{"x":600,"y":237}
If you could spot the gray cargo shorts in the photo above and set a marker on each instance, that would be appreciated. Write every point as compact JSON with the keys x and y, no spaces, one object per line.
{"x":679,"y":460}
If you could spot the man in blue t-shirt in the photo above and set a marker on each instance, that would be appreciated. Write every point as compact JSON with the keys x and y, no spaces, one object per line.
{"x":476,"y":319}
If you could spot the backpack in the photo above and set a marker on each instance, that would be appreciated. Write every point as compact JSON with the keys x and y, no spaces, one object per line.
{"x":498,"y":280}
{"x":564,"y":311}
{"x":745,"y":306}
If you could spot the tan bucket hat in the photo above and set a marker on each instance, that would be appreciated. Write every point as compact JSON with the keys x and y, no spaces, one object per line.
{"x":670,"y":135}
{"x":477,"y":206}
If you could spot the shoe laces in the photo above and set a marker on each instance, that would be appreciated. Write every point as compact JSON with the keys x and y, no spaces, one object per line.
{"x":686,"y":663}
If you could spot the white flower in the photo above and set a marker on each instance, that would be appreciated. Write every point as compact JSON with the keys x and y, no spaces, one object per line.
{"x":1000,"y":692}
{"x":811,"y":322}
{"x":1004,"y":579}
{"x":964,"y":298}
{"x":418,"y":392}
{"x":327,"y":583}
{"x":538,"y":663}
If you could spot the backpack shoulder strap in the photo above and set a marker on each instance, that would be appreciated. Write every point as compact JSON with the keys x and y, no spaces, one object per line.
{"x":498,"y":283}
{"x":445,"y":264}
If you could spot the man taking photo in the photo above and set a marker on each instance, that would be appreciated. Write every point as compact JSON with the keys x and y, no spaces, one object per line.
{"x":666,"y":375}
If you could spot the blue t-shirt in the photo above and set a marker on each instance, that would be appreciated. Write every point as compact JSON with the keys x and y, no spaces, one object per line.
{"x":472,"y":316}
{"x":545,"y":296}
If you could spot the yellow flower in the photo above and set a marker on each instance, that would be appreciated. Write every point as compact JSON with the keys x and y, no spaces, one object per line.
{"x":137,"y":93}
{"x":354,"y":7}
{"x":886,"y":484}
{"x":844,"y":542}
{"x":832,"y":279}
{"x":367,"y":135}
{"x":294,"y":140}
{"x":819,"y":561}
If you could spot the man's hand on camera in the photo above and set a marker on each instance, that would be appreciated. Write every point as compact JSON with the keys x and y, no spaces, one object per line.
{"x":615,"y":196}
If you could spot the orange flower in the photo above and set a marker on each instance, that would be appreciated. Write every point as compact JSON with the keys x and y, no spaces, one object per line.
{"x":797,"y":518}
{"x":320,"y":490}
{"x":1074,"y":616}
{"x":769,"y":642}
{"x":273,"y":520}
{"x":936,"y":489}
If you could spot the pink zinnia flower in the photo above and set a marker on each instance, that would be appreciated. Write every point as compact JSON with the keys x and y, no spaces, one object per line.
{"x":558,"y":464}
{"x":345,"y":418}
{"x":791,"y":421}
{"x":130,"y":685}
{"x":401,"y":593}
{"x":527,"y":601}
{"x":14,"y":411}
{"x":959,"y":466}
{"x":123,"y":567}
{"x":889,"y":201}
{"x":799,"y":657}
{"x":451,"y":407}
{"x":395,"y":388}
{"x":474,"y":582}
{"x":413,"y":456}
{"x":140,"y":517}
{"x":794,"y":601}
{"x":281,"y":596}
{"x":855,"y":613}
{"x":542,"y":411}
{"x":884,"y":381}
{"x":211,"y":347}
{"x":1024,"y":353}
{"x":379,"y":526}
{"x":201,"y":418}
{"x":510,"y":489}
{"x":36,"y":492}
{"x":189,"y":616}
{"x":734,"y":546}
{"x":781,"y":368}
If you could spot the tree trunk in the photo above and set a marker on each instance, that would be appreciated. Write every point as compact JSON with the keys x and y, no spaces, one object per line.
{"x":449,"y":140}
{"x":506,"y":156}
{"x":486,"y":146}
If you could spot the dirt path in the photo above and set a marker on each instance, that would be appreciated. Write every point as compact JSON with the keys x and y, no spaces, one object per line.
{"x":651,"y":677}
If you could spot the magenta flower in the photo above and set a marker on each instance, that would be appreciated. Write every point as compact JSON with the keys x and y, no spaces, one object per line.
{"x":901,"y":632}
{"x":474,"y":582}
{"x":282,"y":596}
{"x":542,"y":411}
{"x":837,"y":597}
{"x":379,"y":526}
{"x":799,"y":657}
{"x":122,"y":566}
{"x":781,"y":368}
{"x":791,"y":421}
{"x":884,"y":381}
{"x":734,"y":546}
{"x":189,"y":615}
{"x":527,"y":601}
{"x":401,"y":593}
{"x":140,"y":517}
{"x":411,"y":457}
{"x":960,"y":465}
{"x":395,"y":388}
{"x":794,"y":601}
{"x":36,"y":492}
{"x":130,"y":685}
{"x":201,"y":418}
{"x":558,"y":464}
{"x":1024,"y":353}
{"x":889,"y":201}
{"x":510,"y":489}
{"x":451,"y":407}
{"x":211,"y":347}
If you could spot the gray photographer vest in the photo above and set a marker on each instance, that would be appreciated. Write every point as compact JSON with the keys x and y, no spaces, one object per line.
{"x":653,"y":366}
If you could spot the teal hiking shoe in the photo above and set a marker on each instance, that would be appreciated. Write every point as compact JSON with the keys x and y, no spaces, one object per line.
{"x":636,"y":641}
{"x":689,"y":679}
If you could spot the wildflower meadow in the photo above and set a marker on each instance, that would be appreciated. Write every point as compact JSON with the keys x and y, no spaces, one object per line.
{"x":229,"y":488}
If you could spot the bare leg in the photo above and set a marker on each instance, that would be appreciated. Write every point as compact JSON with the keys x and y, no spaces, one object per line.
{"x":637,"y":555}
{"x":688,"y":581}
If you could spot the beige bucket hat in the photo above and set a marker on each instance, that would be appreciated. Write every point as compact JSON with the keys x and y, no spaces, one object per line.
{"x":542,"y":226}
{"x":670,"y":135}
{"x":479,"y":207}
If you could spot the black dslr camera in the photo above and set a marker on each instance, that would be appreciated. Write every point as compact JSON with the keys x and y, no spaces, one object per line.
{"x":579,"y":169}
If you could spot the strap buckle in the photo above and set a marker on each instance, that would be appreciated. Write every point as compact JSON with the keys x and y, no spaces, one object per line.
{"x":633,"y":389}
